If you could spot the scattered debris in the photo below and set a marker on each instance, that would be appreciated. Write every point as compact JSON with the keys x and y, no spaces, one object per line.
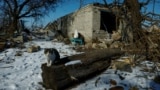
{"x":116,"y":36}
{"x":112,"y":83}
{"x":2,"y":45}
{"x":117,"y":88}
{"x":18,"y":39}
{"x":18,"y":53}
{"x":134,"y":88}
{"x":97,"y":80}
{"x":121,"y":65}
{"x":33,"y":48}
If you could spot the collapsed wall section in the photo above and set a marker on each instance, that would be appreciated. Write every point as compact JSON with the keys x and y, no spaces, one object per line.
{"x":82,"y":22}
{"x":104,"y":23}
{"x":92,"y":21}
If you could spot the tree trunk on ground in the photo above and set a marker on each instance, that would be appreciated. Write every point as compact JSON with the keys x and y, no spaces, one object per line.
{"x":93,"y":62}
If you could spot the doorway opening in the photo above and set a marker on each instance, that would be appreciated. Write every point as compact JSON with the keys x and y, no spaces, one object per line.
{"x":107,"y":21}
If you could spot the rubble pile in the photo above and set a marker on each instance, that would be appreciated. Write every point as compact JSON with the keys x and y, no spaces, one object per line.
{"x":147,"y":45}
{"x":33,"y":48}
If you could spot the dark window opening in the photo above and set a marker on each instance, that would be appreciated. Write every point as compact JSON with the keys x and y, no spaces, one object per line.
{"x":108,"y":21}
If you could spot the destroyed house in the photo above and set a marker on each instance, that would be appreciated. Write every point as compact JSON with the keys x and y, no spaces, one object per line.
{"x":92,"y":21}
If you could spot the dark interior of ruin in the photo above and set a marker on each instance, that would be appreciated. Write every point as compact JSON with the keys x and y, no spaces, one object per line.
{"x":108,"y":21}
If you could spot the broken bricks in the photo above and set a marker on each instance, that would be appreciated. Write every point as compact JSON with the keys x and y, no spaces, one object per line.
{"x":33,"y":48}
{"x":123,"y":64}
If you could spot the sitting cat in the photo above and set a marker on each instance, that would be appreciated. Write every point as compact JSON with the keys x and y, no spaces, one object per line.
{"x":52,"y":56}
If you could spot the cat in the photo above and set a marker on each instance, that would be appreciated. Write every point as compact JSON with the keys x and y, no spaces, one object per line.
{"x":52,"y":56}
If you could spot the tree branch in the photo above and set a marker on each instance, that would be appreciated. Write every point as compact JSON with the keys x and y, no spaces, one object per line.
{"x":142,"y":4}
{"x":32,"y":8}
{"x":145,"y":3}
{"x":105,"y":2}
{"x":15,"y":6}
{"x":32,"y":15}
{"x":22,"y":5}
{"x":9,"y":6}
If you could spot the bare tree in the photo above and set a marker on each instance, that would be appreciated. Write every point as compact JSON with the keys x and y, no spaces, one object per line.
{"x":130,"y":12}
{"x":18,"y":9}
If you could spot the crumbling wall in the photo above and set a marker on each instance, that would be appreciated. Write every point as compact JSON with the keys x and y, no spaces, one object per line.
{"x":104,"y":24}
{"x":82,"y":22}
{"x":97,"y":33}
{"x":62,"y":24}
{"x":87,"y":21}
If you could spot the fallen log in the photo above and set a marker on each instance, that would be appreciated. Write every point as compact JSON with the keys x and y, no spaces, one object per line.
{"x":62,"y":76}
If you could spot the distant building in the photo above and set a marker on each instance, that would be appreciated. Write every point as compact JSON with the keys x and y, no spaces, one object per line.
{"x":92,"y":21}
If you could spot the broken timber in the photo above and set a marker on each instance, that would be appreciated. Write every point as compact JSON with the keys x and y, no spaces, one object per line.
{"x":58,"y":77}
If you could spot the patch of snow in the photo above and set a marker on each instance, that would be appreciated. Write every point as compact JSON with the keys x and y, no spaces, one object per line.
{"x":73,"y":62}
{"x":24,"y":72}
{"x":136,"y":78}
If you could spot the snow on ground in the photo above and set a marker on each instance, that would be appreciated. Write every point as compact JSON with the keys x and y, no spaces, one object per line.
{"x":130,"y":79}
{"x":137,"y":78}
{"x":24,"y":72}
